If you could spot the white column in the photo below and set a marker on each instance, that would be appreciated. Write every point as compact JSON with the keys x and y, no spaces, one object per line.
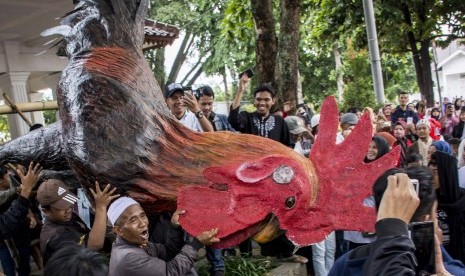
{"x":52,"y":82}
{"x":37,"y":116}
{"x":14,"y":85}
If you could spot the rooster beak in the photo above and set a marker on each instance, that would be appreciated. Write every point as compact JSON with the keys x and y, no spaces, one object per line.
{"x":270,"y":230}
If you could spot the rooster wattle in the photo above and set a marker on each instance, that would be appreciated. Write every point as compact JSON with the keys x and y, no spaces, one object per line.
{"x":115,"y":127}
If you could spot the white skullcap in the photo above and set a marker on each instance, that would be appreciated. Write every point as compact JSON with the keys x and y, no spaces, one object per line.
{"x":118,"y":207}
{"x":423,"y":122}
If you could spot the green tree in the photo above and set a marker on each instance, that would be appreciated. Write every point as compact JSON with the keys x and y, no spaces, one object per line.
{"x":359,"y":85}
{"x":412,"y":26}
{"x":403,"y":27}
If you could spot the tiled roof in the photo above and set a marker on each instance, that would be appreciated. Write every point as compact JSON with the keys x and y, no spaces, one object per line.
{"x":158,"y":35}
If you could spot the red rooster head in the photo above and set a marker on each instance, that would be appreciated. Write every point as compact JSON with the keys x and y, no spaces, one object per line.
{"x":309,"y":198}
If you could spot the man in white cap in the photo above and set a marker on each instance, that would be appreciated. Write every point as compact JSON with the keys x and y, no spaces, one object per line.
{"x":134,"y":254}
{"x":424,"y":141}
{"x":62,"y":227}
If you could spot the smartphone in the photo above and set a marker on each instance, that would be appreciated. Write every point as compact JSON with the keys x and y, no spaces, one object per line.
{"x":409,"y":120}
{"x":422,"y":235}
{"x":249,"y":72}
{"x":416,"y":185}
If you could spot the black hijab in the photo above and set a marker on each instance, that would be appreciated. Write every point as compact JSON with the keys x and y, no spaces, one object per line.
{"x":435,"y":117}
{"x":451,"y":199}
{"x":449,"y":192}
{"x":382,"y":146}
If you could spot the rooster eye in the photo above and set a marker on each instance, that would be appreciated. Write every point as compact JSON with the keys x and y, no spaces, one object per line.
{"x":283,"y":174}
{"x":290,"y":202}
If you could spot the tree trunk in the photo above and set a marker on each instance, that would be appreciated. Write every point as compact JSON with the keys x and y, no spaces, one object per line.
{"x":159,"y":69}
{"x":339,"y":72}
{"x":226,"y":91}
{"x":427,"y":85}
{"x":421,"y":60}
{"x":180,"y":57}
{"x":288,"y":51}
{"x":195,"y":76}
{"x":266,"y":41}
{"x":194,"y":68}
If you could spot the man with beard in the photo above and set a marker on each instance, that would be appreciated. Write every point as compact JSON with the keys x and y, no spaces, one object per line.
{"x":424,"y":141}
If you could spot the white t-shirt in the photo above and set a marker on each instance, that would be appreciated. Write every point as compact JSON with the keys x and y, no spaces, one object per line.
{"x":190,"y":121}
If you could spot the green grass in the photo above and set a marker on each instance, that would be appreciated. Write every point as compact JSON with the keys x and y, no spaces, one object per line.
{"x":240,"y":266}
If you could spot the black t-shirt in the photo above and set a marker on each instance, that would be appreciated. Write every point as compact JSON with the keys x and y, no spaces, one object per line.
{"x":55,"y":236}
{"x":272,"y":127}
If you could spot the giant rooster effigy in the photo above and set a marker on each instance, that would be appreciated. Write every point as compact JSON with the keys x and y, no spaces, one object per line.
{"x":115,"y":127}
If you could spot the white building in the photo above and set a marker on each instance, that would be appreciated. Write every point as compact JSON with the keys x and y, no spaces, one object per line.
{"x":451,"y":69}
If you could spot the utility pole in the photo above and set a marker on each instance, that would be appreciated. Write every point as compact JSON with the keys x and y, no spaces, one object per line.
{"x":374,"y":51}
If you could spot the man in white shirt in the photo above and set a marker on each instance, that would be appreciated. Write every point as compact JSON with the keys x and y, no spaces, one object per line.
{"x":177,"y":99}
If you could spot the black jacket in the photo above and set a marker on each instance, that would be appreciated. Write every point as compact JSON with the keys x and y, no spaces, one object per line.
{"x":55,"y":236}
{"x":391,"y":254}
{"x":11,"y":219}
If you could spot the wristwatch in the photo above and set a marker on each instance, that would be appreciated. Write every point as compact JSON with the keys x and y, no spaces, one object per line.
{"x":199,"y":114}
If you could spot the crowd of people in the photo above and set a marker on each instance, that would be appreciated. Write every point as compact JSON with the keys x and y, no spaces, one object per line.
{"x":58,"y":227}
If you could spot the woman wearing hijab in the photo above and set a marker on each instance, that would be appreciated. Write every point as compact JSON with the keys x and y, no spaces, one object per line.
{"x":458,"y":131}
{"x":399,"y":132}
{"x":442,"y":146}
{"x":378,"y":147}
{"x":435,"y":113}
{"x":451,"y":207}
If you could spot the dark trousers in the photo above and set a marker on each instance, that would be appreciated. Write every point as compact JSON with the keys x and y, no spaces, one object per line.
{"x":8,"y":264}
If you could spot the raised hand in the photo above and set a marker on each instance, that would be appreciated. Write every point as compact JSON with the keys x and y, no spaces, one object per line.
{"x":103,"y":198}
{"x":208,"y":238}
{"x":243,"y":81}
{"x":29,"y":180}
{"x":175,"y":217}
{"x":190,"y":102}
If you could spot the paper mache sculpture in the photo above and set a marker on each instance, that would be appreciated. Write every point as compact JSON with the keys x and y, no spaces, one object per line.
{"x":116,"y":128}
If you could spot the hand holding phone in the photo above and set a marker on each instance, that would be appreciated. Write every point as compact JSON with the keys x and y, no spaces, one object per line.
{"x":399,"y":200}
{"x":249,"y":72}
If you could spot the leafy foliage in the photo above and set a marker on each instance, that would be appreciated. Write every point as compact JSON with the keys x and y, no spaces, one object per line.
{"x":4,"y":129}
{"x":241,"y":266}
{"x":224,"y":32}
{"x":50,"y":116}
{"x":318,"y":76}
